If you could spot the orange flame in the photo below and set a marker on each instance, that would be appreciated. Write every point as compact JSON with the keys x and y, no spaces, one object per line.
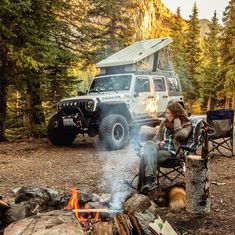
{"x":74,"y":205}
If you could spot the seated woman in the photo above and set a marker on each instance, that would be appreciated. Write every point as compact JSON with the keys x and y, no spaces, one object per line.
{"x":174,"y":128}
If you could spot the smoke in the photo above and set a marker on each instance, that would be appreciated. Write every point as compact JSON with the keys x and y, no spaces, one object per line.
{"x":119,"y":166}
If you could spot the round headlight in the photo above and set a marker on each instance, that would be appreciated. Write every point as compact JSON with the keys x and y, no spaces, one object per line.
{"x":90,"y":104}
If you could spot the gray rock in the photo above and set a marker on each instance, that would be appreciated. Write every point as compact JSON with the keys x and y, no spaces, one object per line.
{"x":17,"y":212}
{"x":144,"y":219}
{"x":84,"y":197}
{"x":105,"y":198}
{"x":138,"y":203}
{"x":95,"y":198}
{"x":154,"y":208}
{"x":50,"y":223}
{"x":95,"y":205}
{"x":26,"y":193}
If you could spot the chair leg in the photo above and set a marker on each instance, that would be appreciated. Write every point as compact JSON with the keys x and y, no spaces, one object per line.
{"x":158,"y":175}
{"x":226,"y":144}
{"x":161,"y":174}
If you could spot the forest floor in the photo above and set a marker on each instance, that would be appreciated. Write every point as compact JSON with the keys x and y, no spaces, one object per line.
{"x":92,"y":169}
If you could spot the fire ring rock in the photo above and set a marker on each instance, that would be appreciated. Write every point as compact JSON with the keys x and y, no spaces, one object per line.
{"x":53,"y":223}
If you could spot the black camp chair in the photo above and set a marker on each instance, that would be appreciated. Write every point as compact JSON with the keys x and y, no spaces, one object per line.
{"x":222,"y":121}
{"x":172,"y":168}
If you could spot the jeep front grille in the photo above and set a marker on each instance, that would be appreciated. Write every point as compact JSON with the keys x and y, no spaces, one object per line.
{"x":71,"y":107}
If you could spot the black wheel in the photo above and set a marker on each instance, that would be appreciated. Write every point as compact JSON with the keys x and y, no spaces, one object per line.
{"x":114,"y":131}
{"x":57,"y":134}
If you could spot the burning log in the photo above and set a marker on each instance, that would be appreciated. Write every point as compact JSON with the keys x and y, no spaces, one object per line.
{"x":123,"y":224}
{"x":197,"y":184}
{"x":100,"y":210}
{"x":102,"y":228}
{"x":134,"y":221}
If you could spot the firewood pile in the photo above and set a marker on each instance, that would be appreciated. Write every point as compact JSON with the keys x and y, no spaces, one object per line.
{"x":43,"y":211}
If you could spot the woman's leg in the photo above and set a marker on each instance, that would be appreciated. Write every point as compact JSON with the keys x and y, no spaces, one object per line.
{"x":149,"y":149}
{"x":150,"y":157}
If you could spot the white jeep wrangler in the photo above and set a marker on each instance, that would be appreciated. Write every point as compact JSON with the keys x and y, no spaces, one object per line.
{"x":133,"y":89}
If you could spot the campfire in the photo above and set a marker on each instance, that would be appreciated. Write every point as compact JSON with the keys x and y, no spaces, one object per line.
{"x":73,"y":204}
{"x":79,"y":213}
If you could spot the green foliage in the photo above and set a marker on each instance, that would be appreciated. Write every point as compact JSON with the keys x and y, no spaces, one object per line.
{"x":34,"y":39}
{"x":178,"y":34}
{"x":48,"y":49}
{"x":193,"y":54}
{"x":228,"y":51}
{"x":209,"y":80}
{"x":109,"y":27}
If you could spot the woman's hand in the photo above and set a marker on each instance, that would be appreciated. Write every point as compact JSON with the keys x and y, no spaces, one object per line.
{"x":162,"y":143}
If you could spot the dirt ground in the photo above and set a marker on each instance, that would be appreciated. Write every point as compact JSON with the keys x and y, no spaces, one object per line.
{"x":92,"y":169}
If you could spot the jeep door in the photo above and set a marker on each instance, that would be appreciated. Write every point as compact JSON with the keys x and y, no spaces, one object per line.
{"x":160,"y":93}
{"x":142,"y":93}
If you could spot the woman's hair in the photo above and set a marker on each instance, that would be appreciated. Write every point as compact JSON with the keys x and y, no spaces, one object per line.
{"x":178,"y":111}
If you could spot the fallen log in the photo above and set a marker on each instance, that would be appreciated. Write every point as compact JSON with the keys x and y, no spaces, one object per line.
{"x":123,"y":224}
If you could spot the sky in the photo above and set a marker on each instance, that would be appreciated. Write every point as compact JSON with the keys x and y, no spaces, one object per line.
{"x":206,"y":8}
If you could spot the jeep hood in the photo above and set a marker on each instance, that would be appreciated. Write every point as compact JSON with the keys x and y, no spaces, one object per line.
{"x":98,"y":97}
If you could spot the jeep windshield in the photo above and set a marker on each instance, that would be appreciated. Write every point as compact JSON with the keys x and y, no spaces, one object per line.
{"x":114,"y":83}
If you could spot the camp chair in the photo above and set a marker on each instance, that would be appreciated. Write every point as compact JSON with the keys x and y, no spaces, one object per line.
{"x":222,"y":121}
{"x":172,"y":168}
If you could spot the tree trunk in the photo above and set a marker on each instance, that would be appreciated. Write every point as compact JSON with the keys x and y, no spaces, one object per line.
{"x":233,"y":101}
{"x":34,"y":114}
{"x":3,"y":93}
{"x":209,"y":103}
{"x":197,"y":184}
{"x":227,"y":102}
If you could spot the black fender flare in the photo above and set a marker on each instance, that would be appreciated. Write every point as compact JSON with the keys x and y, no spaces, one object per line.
{"x":114,"y":107}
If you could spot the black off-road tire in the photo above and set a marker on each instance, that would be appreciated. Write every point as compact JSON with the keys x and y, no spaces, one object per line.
{"x":114,"y":132}
{"x":58,"y":135}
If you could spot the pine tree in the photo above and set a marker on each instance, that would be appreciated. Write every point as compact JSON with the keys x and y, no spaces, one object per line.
{"x":227,"y":73}
{"x":209,"y":79}
{"x":109,"y":27}
{"x":31,"y":35}
{"x":178,"y":34}
{"x":193,"y":54}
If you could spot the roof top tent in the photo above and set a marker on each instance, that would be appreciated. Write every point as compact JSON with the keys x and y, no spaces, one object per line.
{"x":147,"y":56}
